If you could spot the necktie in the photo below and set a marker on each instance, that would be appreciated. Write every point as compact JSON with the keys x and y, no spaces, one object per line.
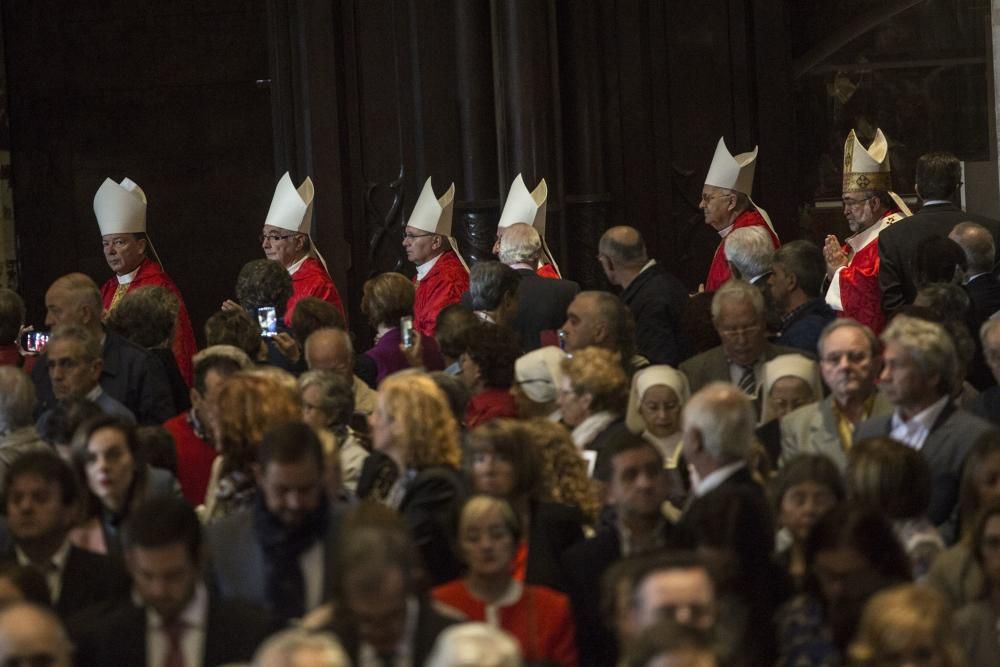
{"x":119,"y":293}
{"x":173,"y":632}
{"x":748,"y":382}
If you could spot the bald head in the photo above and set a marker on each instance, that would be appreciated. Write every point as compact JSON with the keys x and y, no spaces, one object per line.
{"x":27,"y":631}
{"x":520,"y":244}
{"x":977,"y":244}
{"x":624,"y":246}
{"x":74,"y":299}
{"x":330,"y":350}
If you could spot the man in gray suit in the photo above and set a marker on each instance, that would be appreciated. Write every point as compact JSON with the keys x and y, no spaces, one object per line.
{"x":849,"y":363}
{"x":738,"y":314}
{"x":281,"y":554}
{"x":73,"y":357}
{"x":919,"y":376}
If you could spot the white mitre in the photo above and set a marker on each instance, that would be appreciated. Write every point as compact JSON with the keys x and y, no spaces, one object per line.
{"x":292,"y":209}
{"x":120,"y":208}
{"x":434,"y":215}
{"x":528,"y":207}
{"x":735,"y":172}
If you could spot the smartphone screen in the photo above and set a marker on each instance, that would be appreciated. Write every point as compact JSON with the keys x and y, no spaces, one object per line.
{"x":34,"y":341}
{"x":268,"y":320}
{"x":406,"y":330}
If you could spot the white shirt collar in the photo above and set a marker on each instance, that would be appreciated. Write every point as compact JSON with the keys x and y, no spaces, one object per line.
{"x":297,"y":265}
{"x":94,"y":393}
{"x":53,"y":574}
{"x":971,"y":278}
{"x":648,"y":265}
{"x":128,"y":277}
{"x":935,"y":202}
{"x":866,"y":236}
{"x":717,"y":477}
{"x":522,"y":265}
{"x":588,"y":429}
{"x":725,"y":231}
{"x":426,"y":267}
{"x":915,"y":431}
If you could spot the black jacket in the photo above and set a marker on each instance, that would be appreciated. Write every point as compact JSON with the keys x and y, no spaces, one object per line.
{"x":657,"y":300}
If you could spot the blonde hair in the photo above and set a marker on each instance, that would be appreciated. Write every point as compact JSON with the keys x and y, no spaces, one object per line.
{"x":246,"y":407}
{"x":598,"y":372}
{"x":477,"y":507}
{"x":902,"y":617}
{"x":420,"y":420}
{"x":564,"y":472}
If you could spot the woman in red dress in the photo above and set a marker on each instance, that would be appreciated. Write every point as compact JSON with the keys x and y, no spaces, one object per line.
{"x":538,"y":617}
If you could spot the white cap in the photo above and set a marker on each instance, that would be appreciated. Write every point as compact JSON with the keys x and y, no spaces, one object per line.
{"x":867,"y":168}
{"x":650,"y":377}
{"x":292,"y":208}
{"x":539,"y":373}
{"x":524,"y":206}
{"x":120,"y":208}
{"x":732,"y":172}
{"x":789,"y":365}
{"x":431,"y":214}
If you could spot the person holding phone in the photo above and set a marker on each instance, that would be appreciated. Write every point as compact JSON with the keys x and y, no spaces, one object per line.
{"x":387,"y":301}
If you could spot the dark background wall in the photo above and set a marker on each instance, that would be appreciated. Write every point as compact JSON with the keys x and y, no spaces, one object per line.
{"x":618,"y":105}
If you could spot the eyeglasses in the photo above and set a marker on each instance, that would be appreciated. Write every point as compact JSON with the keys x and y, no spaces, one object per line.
{"x":742,"y":331}
{"x":854,"y":203}
{"x":853,"y":357}
{"x":274,"y":238}
{"x":706,"y":198}
{"x":117,"y":244}
{"x":410,"y":237}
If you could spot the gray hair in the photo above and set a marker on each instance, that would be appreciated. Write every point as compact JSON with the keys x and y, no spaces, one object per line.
{"x":90,"y":346}
{"x":336,"y":394}
{"x":737,"y":290}
{"x":930,"y":346}
{"x":987,"y":328}
{"x":283,"y":649}
{"x":750,"y":251}
{"x":520,"y":244}
{"x":475,"y":645}
{"x":840,"y":323}
{"x":724,"y":416}
{"x":977,"y":244}
{"x":804,"y":260}
{"x":489,"y":282}
{"x":17,"y":399}
{"x":228,"y":351}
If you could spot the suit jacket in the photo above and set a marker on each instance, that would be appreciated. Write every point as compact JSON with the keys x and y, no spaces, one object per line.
{"x":897,"y":245}
{"x":232,"y":633}
{"x":554,"y":529}
{"x":541,"y":306}
{"x":984,"y":293}
{"x":987,"y":405}
{"x":712,"y":366}
{"x":584,"y":566}
{"x":131,"y":376}
{"x":945,"y":449}
{"x":812,"y":429}
{"x":430,"y":624}
{"x":430,"y":509}
{"x":236,"y":560}
{"x":657,"y":300}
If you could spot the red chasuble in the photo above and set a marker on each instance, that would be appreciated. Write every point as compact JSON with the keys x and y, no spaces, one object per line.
{"x":184,"y":346}
{"x":854,"y":290}
{"x":443,"y":285}
{"x":312,"y":280}
{"x":719,"y":272}
{"x":547,"y":271}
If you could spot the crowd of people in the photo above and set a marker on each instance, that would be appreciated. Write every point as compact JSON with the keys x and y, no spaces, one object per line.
{"x":798,"y":465}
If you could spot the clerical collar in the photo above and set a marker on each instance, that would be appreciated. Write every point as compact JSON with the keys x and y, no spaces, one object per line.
{"x":426,"y":267}
{"x":725,"y":232}
{"x":128,"y":277}
{"x":297,"y":265}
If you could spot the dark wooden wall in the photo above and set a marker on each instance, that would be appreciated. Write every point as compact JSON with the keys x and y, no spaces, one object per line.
{"x":618,"y":105}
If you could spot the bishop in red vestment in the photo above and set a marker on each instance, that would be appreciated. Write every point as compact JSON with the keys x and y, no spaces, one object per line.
{"x":719,"y":272}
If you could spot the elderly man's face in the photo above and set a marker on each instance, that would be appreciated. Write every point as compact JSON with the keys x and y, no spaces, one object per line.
{"x":72,"y":375}
{"x":496,"y":243}
{"x":903,"y":382}
{"x":420,"y":246}
{"x":848,"y":366}
{"x":123,"y":252}
{"x":281,"y":245}
{"x":583,"y":327}
{"x":741,"y":330}
{"x":717,"y":205}
{"x":991,"y":350}
{"x":329,"y":354}
{"x":61,"y":307}
{"x":859,"y":211}
{"x":28,"y":637}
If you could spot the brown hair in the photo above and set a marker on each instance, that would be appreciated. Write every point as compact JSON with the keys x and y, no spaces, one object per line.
{"x":598,"y":372}
{"x":564,"y":476}
{"x":386,"y":298}
{"x":511,"y":440}
{"x":887,"y":474}
{"x":421,"y":420}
